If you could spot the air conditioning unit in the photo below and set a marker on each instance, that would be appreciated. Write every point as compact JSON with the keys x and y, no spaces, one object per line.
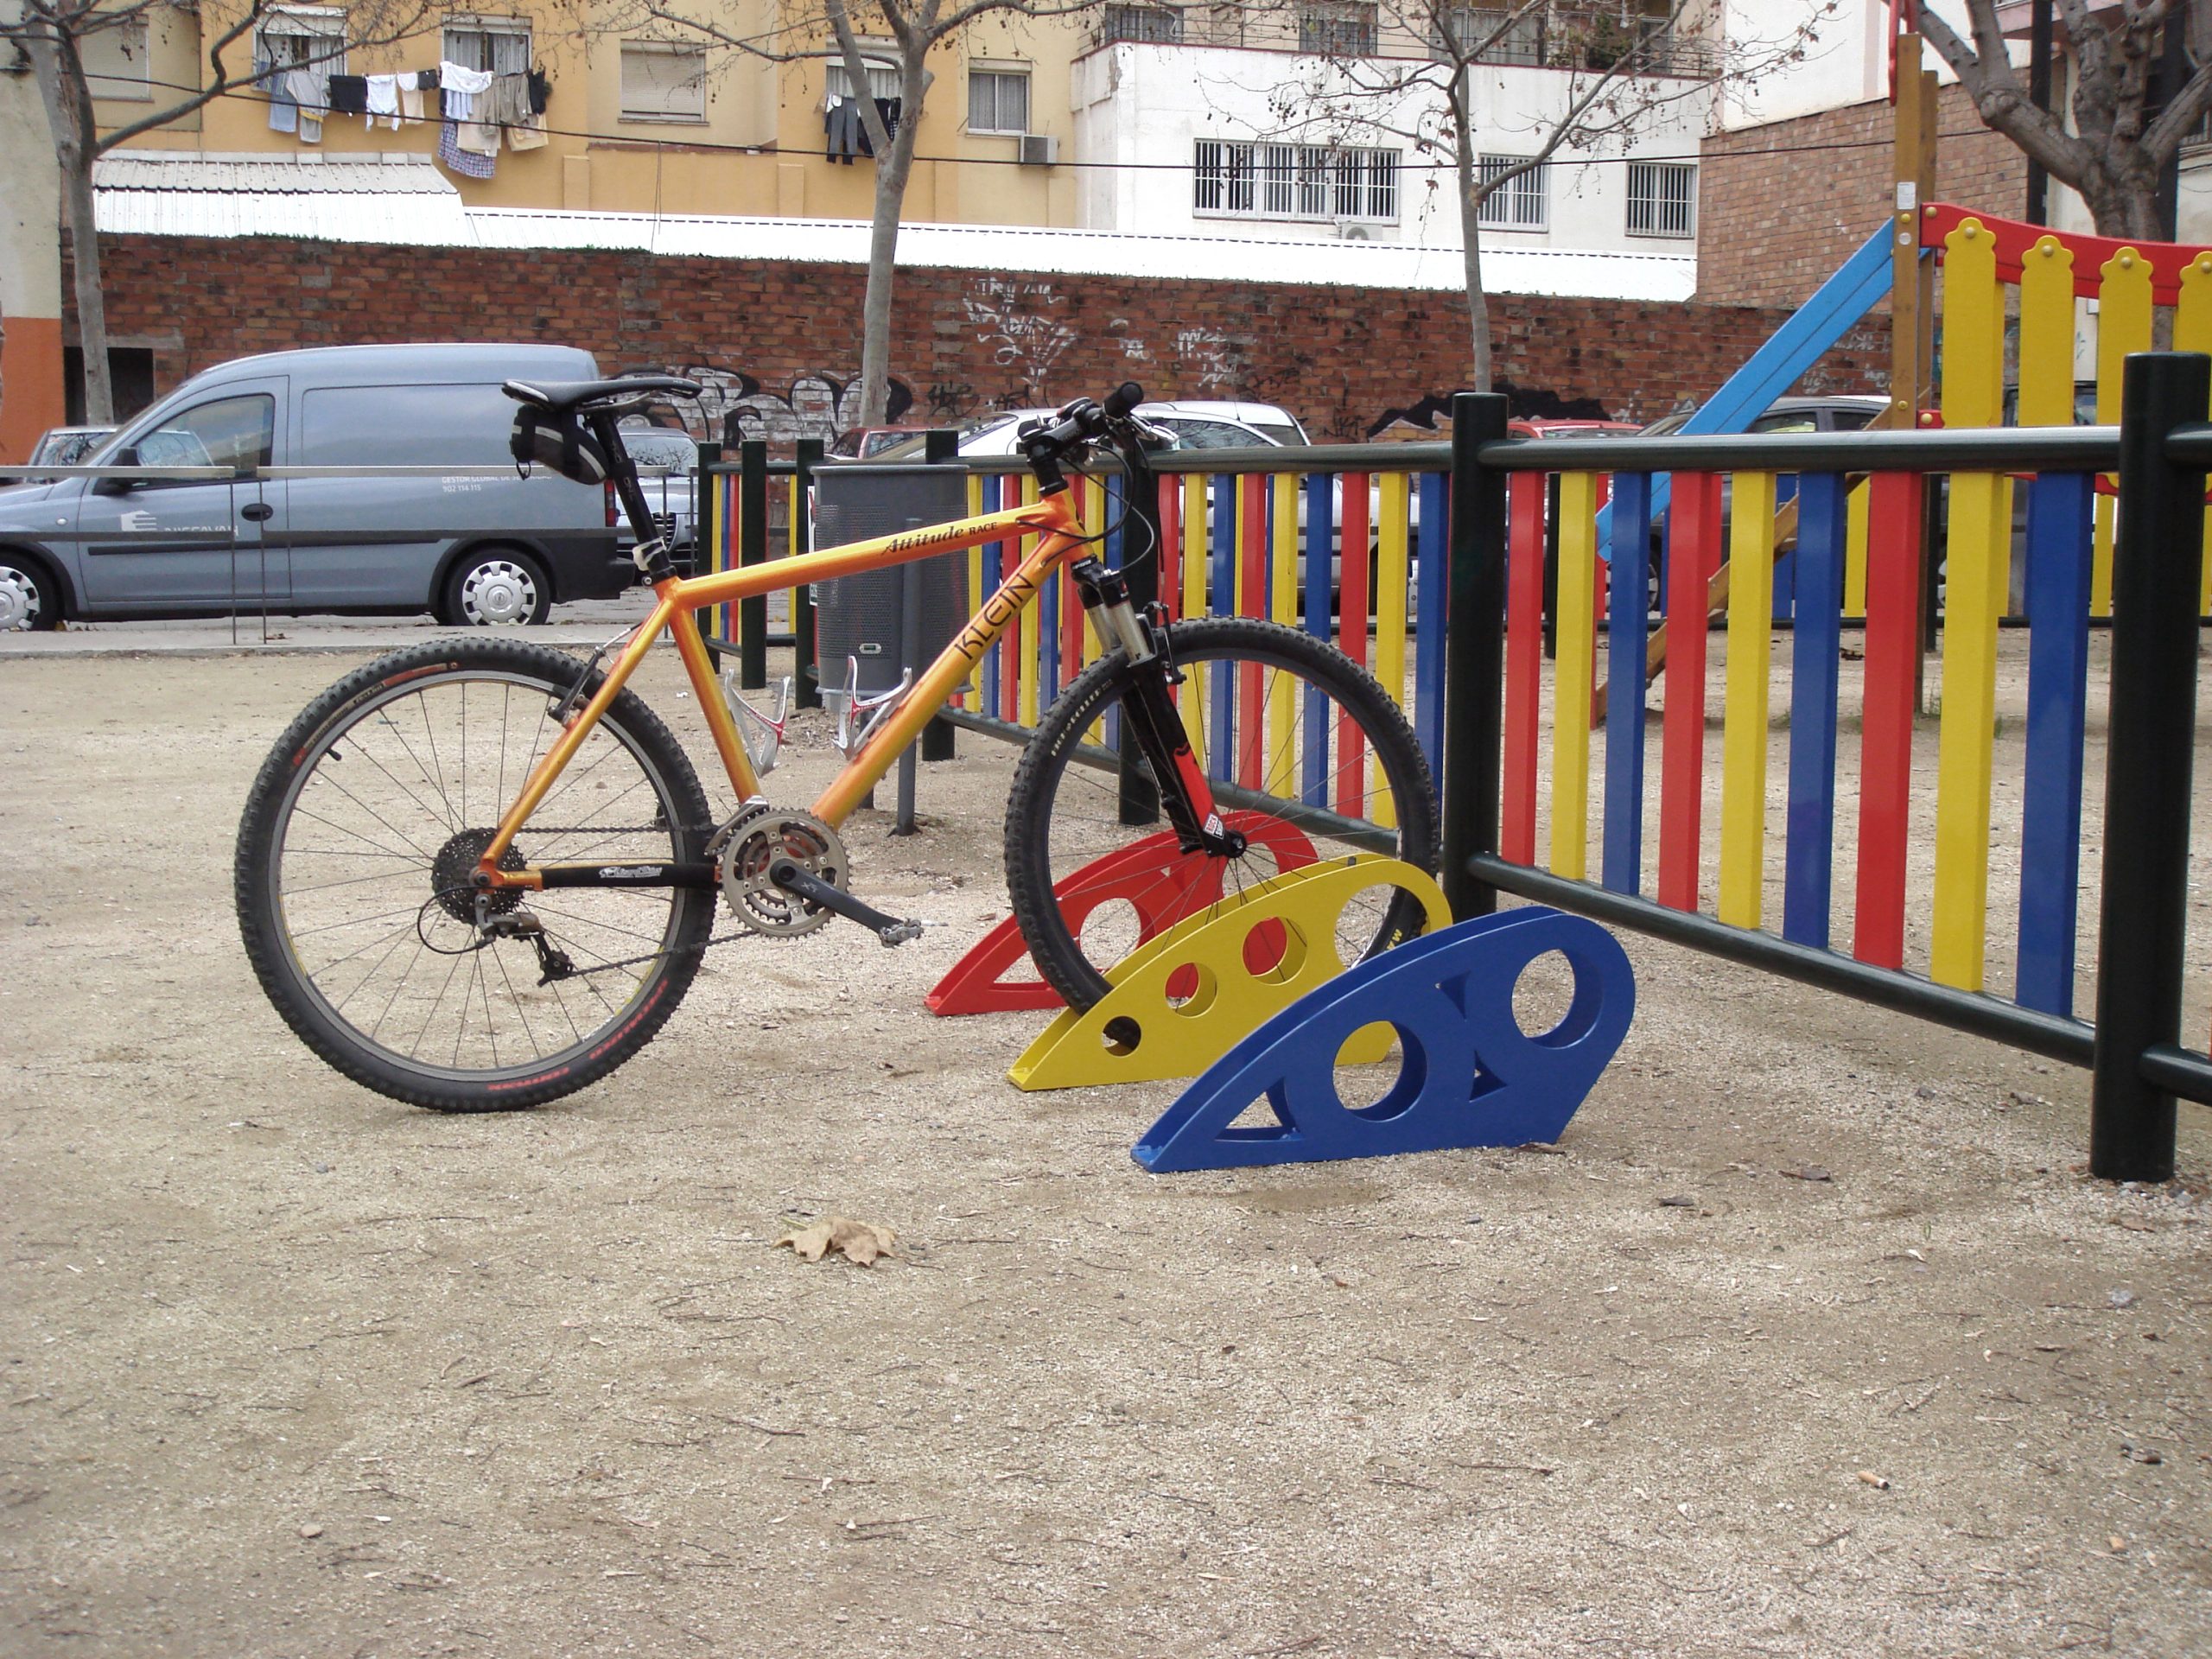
{"x":1352,"y":231}
{"x":1040,"y":149}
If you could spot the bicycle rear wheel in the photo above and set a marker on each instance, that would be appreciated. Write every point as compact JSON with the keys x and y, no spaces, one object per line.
{"x":353,"y":861}
{"x":1307,"y":758}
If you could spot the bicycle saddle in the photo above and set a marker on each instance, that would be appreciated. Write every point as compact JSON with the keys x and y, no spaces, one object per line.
{"x":560,"y":395}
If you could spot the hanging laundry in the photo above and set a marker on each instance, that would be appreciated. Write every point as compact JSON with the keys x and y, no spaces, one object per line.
{"x":384,"y":100}
{"x":530,"y":135}
{"x":887,"y":110}
{"x":844,"y":132}
{"x":283,"y":108}
{"x":477,"y":138}
{"x":541,"y":91}
{"x":349,"y":94}
{"x":461,"y":87}
{"x":507,"y":105}
{"x":310,"y":90}
{"x":426,"y":80}
{"x":467,"y":164}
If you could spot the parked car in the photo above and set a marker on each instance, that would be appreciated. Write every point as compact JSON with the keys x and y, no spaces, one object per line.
{"x":668,"y":466}
{"x":1197,"y":424}
{"x":1545,"y":427}
{"x":865,"y":442}
{"x":66,"y":446}
{"x":470,"y":550}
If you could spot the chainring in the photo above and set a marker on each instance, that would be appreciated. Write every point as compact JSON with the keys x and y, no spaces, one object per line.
{"x":748,"y":846}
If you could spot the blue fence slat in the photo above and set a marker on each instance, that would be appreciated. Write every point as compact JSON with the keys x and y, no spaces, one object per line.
{"x":1626,"y":650}
{"x":1221,"y":600}
{"x":1048,"y":641}
{"x":1816,"y":649}
{"x":1429,"y":589}
{"x":2058,"y":560}
{"x":1320,"y":536}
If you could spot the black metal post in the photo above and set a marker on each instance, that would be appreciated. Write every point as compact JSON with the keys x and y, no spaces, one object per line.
{"x":1140,"y":530}
{"x":2156,"y":561}
{"x":751,"y":549}
{"x":1474,"y":653}
{"x":941,"y":444}
{"x":804,"y":669}
{"x":2039,"y":95}
{"x":706,"y":496}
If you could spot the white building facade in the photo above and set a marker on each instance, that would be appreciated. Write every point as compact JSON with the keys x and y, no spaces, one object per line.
{"x":1212,"y":134}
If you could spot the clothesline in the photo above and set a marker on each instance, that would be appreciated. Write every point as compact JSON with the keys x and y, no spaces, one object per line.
{"x":479,"y":108}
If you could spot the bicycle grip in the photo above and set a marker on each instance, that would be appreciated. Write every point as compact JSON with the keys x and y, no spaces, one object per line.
{"x":1123,"y":398}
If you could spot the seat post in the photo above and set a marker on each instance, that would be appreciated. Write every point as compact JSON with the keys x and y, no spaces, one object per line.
{"x":651,"y":554}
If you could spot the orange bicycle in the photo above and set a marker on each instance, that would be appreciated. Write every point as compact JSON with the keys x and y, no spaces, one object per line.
{"x":477,"y":873}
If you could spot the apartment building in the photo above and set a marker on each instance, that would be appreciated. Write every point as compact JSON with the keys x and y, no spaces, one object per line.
{"x":1202,"y":121}
{"x":648,"y":118}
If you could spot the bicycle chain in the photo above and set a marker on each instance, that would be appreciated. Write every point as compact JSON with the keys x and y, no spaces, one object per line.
{"x":700,"y":948}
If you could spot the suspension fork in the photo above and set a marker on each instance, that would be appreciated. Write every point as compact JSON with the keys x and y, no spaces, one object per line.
{"x":1184,"y":795}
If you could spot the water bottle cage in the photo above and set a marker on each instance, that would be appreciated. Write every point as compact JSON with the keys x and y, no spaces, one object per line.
{"x":849,"y":702}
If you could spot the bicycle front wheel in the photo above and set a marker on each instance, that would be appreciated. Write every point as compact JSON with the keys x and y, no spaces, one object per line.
{"x":1307,"y":758}
{"x":354,"y":858}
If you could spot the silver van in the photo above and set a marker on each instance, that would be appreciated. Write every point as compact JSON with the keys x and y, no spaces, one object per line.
{"x":468,"y":550}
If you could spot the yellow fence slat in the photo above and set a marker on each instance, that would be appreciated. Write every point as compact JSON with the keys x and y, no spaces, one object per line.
{"x":1282,"y":695}
{"x":1854,"y":550}
{"x":2193,"y":332}
{"x":1974,"y":600}
{"x":1743,"y":765}
{"x":1974,"y":328}
{"x":2046,"y":347}
{"x":1574,"y":665}
{"x":2123,"y":326}
{"x":975,"y":594}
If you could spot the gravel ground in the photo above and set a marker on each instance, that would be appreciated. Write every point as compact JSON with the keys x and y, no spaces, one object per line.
{"x":1811,"y":1337}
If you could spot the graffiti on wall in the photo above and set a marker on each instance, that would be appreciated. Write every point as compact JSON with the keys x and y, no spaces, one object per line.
{"x":1023,"y":325}
{"x":734,"y":405}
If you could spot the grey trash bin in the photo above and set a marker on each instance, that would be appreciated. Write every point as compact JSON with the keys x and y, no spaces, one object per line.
{"x":863,"y":616}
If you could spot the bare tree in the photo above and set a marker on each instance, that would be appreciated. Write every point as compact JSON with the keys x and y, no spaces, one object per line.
{"x":2115,"y":148}
{"x":826,"y":30}
{"x":1617,"y":67}
{"x":54,"y":34}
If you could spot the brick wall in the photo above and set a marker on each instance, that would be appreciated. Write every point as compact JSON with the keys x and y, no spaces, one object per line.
{"x":779,"y":343}
{"x":1780,"y":207}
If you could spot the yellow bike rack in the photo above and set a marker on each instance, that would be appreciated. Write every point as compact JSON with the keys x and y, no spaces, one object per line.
{"x":1178,"y":1002}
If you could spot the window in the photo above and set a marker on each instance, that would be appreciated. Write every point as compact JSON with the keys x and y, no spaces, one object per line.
{"x":663,"y":81}
{"x":1491,"y":34}
{"x":232,"y":432}
{"x":1336,"y":30}
{"x":882,"y":60}
{"x":1520,"y":204}
{"x":998,"y":100}
{"x":500,"y":45}
{"x":1148,"y":25}
{"x":1661,"y":199}
{"x":1312,"y":181}
{"x":302,"y":35}
{"x":115,"y":63}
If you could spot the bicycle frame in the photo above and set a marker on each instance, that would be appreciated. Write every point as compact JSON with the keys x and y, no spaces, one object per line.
{"x":1052,"y":519}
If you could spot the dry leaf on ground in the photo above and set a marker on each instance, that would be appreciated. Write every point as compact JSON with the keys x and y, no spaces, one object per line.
{"x":857,"y":1241}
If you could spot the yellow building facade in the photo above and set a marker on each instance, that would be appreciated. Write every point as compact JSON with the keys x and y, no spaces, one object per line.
{"x":642,"y":119}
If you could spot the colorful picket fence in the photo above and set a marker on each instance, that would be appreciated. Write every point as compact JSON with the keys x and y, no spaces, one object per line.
{"x":1259,"y":543}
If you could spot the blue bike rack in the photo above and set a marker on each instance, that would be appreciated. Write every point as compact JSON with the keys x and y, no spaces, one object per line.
{"x":1471,"y":1076}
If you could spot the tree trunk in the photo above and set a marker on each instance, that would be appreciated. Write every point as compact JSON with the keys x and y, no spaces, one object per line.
{"x":69,"y":118}
{"x":891,"y":173}
{"x":1471,"y":237}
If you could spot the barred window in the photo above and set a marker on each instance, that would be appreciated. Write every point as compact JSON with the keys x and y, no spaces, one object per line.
{"x":1463,"y":31}
{"x":1521,"y":203}
{"x":1312,"y":181}
{"x":500,"y":45}
{"x":1148,"y":25}
{"x":1335,"y":29}
{"x":1663,"y":199}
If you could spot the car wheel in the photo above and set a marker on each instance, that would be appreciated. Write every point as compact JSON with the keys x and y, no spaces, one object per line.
{"x":497,"y":587}
{"x":28,"y":598}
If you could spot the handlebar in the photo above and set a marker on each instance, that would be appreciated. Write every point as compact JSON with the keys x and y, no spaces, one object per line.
{"x":1083,"y":421}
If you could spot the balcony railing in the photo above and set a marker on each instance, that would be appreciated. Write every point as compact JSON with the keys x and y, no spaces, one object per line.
{"x":1537,"y":40}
